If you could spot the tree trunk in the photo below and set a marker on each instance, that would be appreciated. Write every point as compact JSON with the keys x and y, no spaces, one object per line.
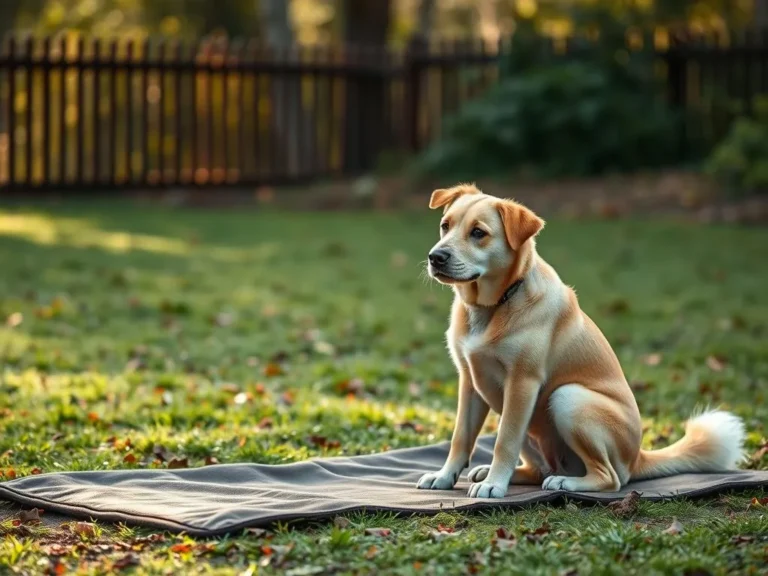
{"x":366,"y":25}
{"x":286,"y":105}
{"x":426,"y":19}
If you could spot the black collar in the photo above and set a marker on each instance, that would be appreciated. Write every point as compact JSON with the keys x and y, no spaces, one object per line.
{"x":509,"y":292}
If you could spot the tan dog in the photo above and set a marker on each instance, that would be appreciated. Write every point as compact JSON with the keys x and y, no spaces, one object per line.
{"x":524,"y":348}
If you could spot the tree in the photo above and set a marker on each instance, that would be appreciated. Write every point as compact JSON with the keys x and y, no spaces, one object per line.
{"x":366,"y":25}
{"x":286,"y":108}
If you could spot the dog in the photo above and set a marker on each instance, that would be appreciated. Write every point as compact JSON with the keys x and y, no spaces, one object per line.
{"x":523,"y":347}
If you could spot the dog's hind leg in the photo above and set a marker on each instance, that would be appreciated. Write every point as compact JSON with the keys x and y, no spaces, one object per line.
{"x":595,"y":429}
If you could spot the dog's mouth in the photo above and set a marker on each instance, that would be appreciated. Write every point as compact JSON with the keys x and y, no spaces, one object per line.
{"x":447,"y":278}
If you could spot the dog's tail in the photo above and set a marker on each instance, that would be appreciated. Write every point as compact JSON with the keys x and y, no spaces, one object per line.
{"x":713,"y":442}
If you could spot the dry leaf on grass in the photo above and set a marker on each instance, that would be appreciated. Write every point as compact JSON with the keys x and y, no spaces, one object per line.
{"x":715,"y":364}
{"x":178,"y":463}
{"x":504,"y":539}
{"x":652,"y":359}
{"x":380,"y":532}
{"x":85,"y":529}
{"x":29,"y":516}
{"x":675,"y":528}
{"x":341,"y":522}
{"x":627,"y":506}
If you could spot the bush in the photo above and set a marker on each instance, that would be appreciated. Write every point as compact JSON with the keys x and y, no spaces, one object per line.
{"x":740,"y":161}
{"x":597,"y":110}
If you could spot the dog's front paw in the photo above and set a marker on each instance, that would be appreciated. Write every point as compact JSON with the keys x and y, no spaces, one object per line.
{"x":555,"y":483}
{"x":478,"y":473}
{"x":436,"y":481}
{"x":486,"y":490}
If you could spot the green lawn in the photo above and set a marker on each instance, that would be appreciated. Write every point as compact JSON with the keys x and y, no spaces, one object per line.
{"x":263,"y":337}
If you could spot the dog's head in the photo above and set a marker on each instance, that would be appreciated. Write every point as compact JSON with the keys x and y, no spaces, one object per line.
{"x":479,"y":234}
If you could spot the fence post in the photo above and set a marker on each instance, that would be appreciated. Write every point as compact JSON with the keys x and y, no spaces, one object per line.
{"x":413,"y":72}
{"x":676,"y":83}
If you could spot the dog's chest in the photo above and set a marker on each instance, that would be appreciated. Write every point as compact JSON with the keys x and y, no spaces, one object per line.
{"x":482,"y":355}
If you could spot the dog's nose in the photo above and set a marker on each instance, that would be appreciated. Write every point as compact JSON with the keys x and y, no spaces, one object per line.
{"x":439,"y":257}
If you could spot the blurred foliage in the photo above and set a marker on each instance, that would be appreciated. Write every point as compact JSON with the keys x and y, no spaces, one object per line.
{"x":597,"y":109}
{"x":322,"y":20}
{"x":740,"y":161}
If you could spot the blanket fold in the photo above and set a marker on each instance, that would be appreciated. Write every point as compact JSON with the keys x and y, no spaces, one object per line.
{"x":216,"y":500}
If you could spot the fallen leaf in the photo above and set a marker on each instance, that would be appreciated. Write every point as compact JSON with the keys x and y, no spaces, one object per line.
{"x":14,"y":319}
{"x":652,"y":359}
{"x":287,"y":398}
{"x":504,"y":539}
{"x":85,"y":529}
{"x":181,"y":548}
{"x":627,"y":506}
{"x":10,"y":473}
{"x":408,"y":425}
{"x":380,"y":532}
{"x":675,"y":528}
{"x":758,"y":502}
{"x":715,"y":364}
{"x":211,"y":460}
{"x":536,"y":535}
{"x":129,"y":559}
{"x":29,"y":516}
{"x":323,"y":442}
{"x":159,"y":451}
{"x":341,"y":522}
{"x":178,"y":463}
{"x":272,"y":369}
{"x":351,"y":386}
{"x":371,"y":552}
{"x":56,"y":549}
{"x":265,"y":423}
{"x":438,"y":535}
{"x":129,"y":458}
{"x":742,"y":539}
{"x":93,"y":417}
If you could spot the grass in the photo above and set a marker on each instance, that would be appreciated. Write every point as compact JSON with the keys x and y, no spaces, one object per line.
{"x":254,"y":336}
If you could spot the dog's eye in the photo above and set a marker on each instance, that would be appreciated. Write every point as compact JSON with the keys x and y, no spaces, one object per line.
{"x":444,"y":226}
{"x":478,"y":233}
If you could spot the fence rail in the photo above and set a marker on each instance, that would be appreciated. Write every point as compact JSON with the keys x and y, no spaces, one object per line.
{"x":80,"y":114}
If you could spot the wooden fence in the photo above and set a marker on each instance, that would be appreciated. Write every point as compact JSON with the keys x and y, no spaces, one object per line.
{"x":81,"y":114}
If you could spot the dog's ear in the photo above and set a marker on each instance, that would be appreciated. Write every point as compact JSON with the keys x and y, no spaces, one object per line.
{"x":520,"y":223}
{"x":447,"y":196}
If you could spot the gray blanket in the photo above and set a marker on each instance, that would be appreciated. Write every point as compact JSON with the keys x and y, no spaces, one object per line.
{"x":218,"y":499}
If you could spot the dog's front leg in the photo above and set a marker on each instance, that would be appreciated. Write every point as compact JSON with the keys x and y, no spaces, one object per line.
{"x":520,"y":395}
{"x":470,"y":416}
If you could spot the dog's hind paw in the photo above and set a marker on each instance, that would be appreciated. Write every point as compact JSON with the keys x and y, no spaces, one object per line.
{"x":478,"y":473}
{"x":436,"y":481}
{"x":486,"y":490}
{"x":556,"y":483}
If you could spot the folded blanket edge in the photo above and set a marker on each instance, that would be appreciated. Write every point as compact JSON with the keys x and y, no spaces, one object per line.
{"x":82,"y":511}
